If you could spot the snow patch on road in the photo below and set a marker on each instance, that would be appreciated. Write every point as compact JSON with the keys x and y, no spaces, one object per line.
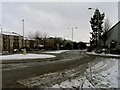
{"x":57,"y":52}
{"x":27,"y":56}
{"x":112,"y":75}
{"x":103,"y":74}
{"x":106,"y":78}
{"x":103,"y":54}
{"x":77,"y":83}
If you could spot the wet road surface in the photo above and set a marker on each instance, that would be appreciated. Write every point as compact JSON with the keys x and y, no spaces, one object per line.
{"x":12,"y":72}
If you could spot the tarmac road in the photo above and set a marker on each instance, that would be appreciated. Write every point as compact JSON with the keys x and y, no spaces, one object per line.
{"x":12,"y":72}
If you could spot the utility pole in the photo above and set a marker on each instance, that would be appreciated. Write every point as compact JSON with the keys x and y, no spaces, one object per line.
{"x":24,"y":49}
{"x":1,"y":41}
{"x":23,"y":33}
{"x":72,"y":35}
{"x":72,"y":38}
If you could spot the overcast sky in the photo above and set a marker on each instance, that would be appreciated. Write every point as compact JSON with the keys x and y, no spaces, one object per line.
{"x":54,"y":18}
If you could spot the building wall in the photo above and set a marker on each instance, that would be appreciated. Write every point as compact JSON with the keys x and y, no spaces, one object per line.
{"x":27,"y":44}
{"x":16,"y":42}
{"x":112,"y":35}
{"x":118,"y":43}
{"x":20,"y":42}
{"x":5,"y":42}
{"x":11,"y":43}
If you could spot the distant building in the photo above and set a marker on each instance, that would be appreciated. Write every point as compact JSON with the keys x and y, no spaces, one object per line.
{"x":53,"y":43}
{"x":44,"y":43}
{"x":30,"y":44}
{"x":112,"y":37}
{"x":10,"y":41}
{"x":67,"y":44}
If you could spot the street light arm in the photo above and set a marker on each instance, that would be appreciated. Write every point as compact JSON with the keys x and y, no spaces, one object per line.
{"x":72,"y":34}
{"x":89,"y":8}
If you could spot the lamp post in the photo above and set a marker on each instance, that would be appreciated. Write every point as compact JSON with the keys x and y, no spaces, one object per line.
{"x":72,"y":35}
{"x":1,"y":41}
{"x":24,"y":49}
{"x":72,"y":38}
{"x":23,"y":32}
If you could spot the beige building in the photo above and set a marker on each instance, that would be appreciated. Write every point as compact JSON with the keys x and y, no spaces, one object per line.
{"x":10,"y":41}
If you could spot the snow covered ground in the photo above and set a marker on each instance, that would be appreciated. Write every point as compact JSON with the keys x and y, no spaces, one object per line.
{"x":57,"y":52}
{"x":103,"y":74}
{"x":22,"y":56}
{"x":103,"y":54}
{"x":30,"y":56}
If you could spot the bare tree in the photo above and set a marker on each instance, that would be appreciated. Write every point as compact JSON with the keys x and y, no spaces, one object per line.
{"x":106,"y":27}
{"x":44,"y":37}
{"x":35,"y":35}
{"x":30,"y":35}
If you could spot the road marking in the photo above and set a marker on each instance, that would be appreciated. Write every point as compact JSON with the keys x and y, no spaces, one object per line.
{"x":7,"y":69}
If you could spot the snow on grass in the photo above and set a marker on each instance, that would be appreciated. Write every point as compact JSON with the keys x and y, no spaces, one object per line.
{"x":22,"y":56}
{"x":112,"y":75}
{"x":105,"y":77}
{"x":103,"y":54}
{"x":98,"y":65}
{"x":57,"y":52}
{"x":77,"y":83}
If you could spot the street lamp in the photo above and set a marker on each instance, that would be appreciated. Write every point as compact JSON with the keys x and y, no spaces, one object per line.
{"x":24,"y":49}
{"x":23,"y":33}
{"x":1,"y":41}
{"x":72,"y":35}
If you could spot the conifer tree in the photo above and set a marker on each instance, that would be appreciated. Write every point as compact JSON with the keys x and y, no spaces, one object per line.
{"x":96,"y":25}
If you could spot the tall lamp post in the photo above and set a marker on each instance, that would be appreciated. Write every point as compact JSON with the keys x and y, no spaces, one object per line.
{"x":23,"y":33}
{"x":24,"y":49}
{"x":72,"y":35}
{"x":1,"y":41}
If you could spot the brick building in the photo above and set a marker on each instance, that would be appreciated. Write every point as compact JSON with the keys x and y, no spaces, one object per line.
{"x":47,"y":43}
{"x":10,"y":41}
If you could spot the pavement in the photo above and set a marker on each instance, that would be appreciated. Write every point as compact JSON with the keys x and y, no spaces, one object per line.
{"x":44,"y":73}
{"x":12,"y":72}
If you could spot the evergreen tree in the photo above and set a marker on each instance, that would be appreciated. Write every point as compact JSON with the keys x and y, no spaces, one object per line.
{"x":96,"y":25}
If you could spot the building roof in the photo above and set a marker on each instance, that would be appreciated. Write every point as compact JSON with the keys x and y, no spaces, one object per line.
{"x":114,"y":26}
{"x":111,"y":28}
{"x":10,"y":33}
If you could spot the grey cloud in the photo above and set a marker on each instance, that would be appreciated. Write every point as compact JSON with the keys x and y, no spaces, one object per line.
{"x":55,"y":17}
